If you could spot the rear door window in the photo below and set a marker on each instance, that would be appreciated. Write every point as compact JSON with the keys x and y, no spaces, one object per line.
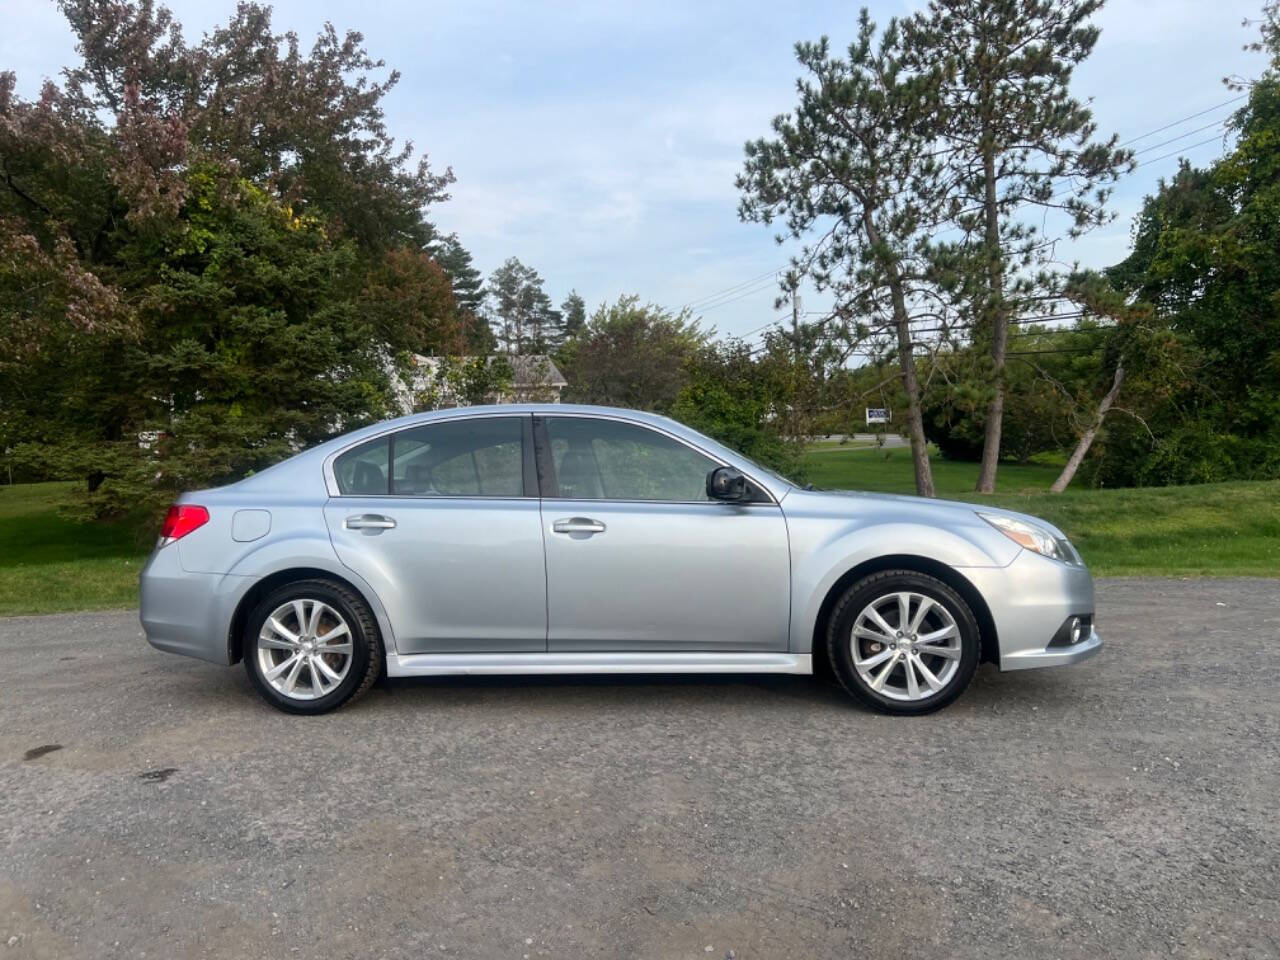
{"x":363,"y":471}
{"x":474,"y":457}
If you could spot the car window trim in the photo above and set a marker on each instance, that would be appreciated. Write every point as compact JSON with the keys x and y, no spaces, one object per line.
{"x":549,"y":484}
{"x":528,"y":470}
{"x":529,"y":467}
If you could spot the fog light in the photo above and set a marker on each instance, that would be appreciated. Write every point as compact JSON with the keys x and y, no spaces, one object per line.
{"x":1077,"y":630}
{"x":1074,"y":630}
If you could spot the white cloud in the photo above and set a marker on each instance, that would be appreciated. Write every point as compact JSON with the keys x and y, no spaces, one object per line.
{"x":598,"y":141}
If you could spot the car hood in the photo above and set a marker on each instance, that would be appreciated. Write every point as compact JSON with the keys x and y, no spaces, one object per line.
{"x":926,"y":508}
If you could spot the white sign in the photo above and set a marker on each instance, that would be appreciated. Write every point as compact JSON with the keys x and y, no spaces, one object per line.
{"x":879,"y":415}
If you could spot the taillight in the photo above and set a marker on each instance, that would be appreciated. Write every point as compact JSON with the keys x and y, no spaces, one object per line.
{"x":181,"y":519}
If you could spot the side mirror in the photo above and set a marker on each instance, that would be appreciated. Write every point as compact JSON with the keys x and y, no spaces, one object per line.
{"x":726,"y":483}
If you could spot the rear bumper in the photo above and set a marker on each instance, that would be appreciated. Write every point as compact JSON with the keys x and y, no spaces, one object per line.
{"x":188,"y":613}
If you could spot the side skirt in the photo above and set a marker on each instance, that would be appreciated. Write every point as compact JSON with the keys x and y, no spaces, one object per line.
{"x":454,"y":664}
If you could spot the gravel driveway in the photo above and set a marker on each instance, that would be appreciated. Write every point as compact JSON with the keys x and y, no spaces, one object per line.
{"x":1128,"y":807}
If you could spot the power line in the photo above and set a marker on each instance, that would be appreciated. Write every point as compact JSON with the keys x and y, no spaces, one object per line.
{"x":751,"y":333}
{"x":1174,"y":153}
{"x":1163,"y":156}
{"x":1181,"y":136}
{"x":736,"y":286}
{"x":1073,"y":315}
{"x":741,"y":296}
{"x":693,"y":304}
{"x":968,"y":328}
{"x":714,"y":300}
{"x":765,"y":326}
{"x":1152,"y":133}
{"x":965,"y":328}
{"x":1035,"y":318}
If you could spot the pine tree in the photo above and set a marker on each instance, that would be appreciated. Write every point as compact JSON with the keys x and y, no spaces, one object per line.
{"x":523,"y":318}
{"x":1015,"y":140}
{"x":467,"y":284}
{"x":466,"y":281}
{"x":574,"y":312}
{"x":851,"y":158}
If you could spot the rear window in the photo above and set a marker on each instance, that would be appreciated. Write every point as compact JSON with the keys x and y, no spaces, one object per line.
{"x":363,"y":470}
{"x":471,"y":457}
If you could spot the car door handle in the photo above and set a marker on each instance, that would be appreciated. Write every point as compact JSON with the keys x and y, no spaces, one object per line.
{"x":578,"y":525}
{"x":369,"y":521}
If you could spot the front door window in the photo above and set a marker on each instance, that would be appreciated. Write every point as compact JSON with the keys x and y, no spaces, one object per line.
{"x":598,"y":459}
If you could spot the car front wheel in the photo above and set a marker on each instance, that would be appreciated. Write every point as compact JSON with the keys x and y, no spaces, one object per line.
{"x":903,"y":642}
{"x":312,"y":646}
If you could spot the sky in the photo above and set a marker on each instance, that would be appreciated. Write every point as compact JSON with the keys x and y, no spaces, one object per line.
{"x":598,"y":141}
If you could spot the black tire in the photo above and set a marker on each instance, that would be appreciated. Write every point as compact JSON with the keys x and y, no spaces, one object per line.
{"x":366,"y":644}
{"x":856,"y":598}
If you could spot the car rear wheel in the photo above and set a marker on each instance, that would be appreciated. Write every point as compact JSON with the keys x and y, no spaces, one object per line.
{"x":312,"y":646}
{"x":903,"y":642}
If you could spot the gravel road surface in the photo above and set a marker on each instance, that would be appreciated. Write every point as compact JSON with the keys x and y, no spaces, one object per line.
{"x":152,"y":806}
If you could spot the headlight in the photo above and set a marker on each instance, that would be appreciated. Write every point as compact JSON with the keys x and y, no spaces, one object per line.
{"x":1028,"y":535}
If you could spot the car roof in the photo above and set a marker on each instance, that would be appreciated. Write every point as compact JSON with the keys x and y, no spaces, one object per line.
{"x":514,"y":409}
{"x":277,"y":474}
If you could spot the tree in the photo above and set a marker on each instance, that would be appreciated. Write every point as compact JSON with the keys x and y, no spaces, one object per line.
{"x":408,"y":288}
{"x":1205,"y":258}
{"x":1268,"y":40}
{"x":55,"y":316}
{"x":464,"y":278}
{"x":1037,"y":416}
{"x":737,"y":395}
{"x":461,"y":381}
{"x":308,"y":126}
{"x":253,"y":343}
{"x":631,"y":354}
{"x":523,"y":318}
{"x":210,"y":253}
{"x":853,"y":162}
{"x":574,"y":312}
{"x":467,"y":285}
{"x":1130,"y":340}
{"x":1012,"y":137}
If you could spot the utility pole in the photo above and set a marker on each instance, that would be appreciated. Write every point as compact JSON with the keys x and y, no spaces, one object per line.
{"x":795,"y":323}
{"x":795,"y":360}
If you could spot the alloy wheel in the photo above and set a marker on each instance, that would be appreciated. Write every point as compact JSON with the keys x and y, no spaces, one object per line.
{"x":906,"y":646}
{"x":305,"y":649}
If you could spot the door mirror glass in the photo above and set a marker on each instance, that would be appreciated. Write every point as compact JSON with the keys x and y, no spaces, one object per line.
{"x":726,"y":483}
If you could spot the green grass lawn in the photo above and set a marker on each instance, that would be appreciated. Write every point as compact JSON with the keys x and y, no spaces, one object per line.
{"x":1217,"y":529}
{"x":50,"y":564}
{"x":888,"y":470}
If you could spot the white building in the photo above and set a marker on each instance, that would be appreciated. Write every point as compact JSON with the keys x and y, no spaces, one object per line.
{"x":436,"y":382}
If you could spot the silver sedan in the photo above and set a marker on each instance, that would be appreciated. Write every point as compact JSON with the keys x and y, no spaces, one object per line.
{"x":566,"y":539}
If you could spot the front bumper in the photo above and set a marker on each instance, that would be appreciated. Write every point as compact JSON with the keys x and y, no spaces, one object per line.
{"x":1053,"y":656}
{"x":1029,"y":599}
